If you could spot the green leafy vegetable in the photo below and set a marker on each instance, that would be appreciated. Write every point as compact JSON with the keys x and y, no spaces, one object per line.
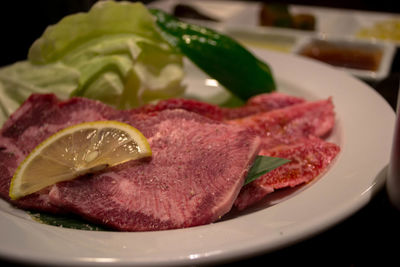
{"x":113,"y":53}
{"x":263,"y":165}
{"x":21,"y":79}
{"x":219,"y":56}
{"x":66,"y":221}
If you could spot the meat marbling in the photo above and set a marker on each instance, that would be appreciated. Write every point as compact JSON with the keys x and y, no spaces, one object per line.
{"x":195,"y":174}
{"x":309,"y":158}
{"x":179,"y":186}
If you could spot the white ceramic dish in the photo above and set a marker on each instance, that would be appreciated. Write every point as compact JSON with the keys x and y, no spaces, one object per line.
{"x":292,"y":41}
{"x":387,"y":51}
{"x":364,"y":130}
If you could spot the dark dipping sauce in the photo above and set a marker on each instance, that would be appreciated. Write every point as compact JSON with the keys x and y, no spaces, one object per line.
{"x":347,"y":55}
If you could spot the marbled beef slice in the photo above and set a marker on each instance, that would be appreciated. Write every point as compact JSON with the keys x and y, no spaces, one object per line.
{"x":286,"y":125}
{"x":194,"y":176}
{"x":257,"y":104}
{"x":309,"y":159}
{"x":40,"y":116}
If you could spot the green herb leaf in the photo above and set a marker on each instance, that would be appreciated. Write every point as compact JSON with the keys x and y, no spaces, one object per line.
{"x":262,"y":165}
{"x":66,"y":221}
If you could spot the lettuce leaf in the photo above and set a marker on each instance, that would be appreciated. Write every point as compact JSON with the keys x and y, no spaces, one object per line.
{"x":113,"y":53}
{"x":19,"y":80}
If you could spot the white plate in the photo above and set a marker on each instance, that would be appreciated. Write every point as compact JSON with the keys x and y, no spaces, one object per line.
{"x":364,"y":130}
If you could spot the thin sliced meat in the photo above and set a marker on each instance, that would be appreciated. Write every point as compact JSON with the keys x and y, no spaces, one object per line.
{"x":309,"y":158}
{"x":257,"y":104}
{"x":261,"y":103}
{"x":292,"y":133}
{"x":195,"y":174}
{"x":201,"y":108}
{"x":40,"y":116}
{"x":10,"y":158}
{"x":286,"y":125}
{"x":203,"y":160}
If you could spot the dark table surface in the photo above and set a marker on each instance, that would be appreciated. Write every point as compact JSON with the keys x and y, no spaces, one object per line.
{"x":371,"y":233}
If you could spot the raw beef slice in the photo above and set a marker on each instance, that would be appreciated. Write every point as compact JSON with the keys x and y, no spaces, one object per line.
{"x":10,"y":158}
{"x":257,"y":104}
{"x":286,"y":125}
{"x":39,"y":117}
{"x":293,"y":133}
{"x":309,"y":158}
{"x":195,"y":174}
{"x":261,"y":103}
{"x":202,"y":108}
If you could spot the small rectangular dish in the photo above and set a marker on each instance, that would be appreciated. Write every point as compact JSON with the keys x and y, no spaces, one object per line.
{"x":369,"y":60}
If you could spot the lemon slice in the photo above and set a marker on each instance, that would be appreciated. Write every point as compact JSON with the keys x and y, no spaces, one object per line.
{"x":77,"y":150}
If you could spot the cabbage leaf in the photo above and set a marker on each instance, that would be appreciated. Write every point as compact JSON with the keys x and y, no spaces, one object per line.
{"x":113,"y":53}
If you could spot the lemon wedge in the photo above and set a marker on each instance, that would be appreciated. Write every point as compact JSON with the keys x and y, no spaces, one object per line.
{"x":77,"y":150}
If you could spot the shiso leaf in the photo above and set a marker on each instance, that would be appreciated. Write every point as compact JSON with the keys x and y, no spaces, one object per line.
{"x":263,"y":165}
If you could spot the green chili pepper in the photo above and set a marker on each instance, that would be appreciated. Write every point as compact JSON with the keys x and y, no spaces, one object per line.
{"x":218,"y":55}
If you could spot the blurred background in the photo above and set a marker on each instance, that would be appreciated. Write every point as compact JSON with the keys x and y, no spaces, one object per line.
{"x":22,"y":22}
